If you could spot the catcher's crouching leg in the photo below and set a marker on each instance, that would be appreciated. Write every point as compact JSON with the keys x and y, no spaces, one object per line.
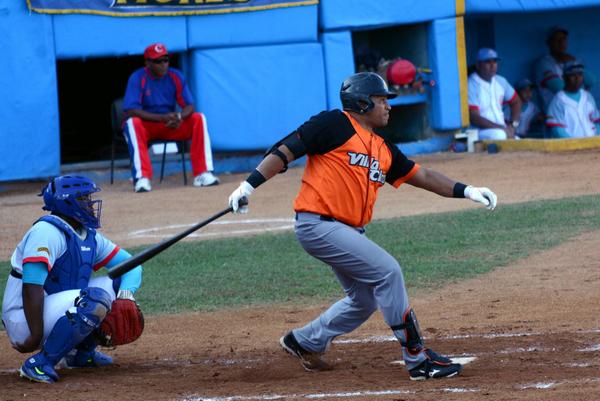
{"x":89,"y":310}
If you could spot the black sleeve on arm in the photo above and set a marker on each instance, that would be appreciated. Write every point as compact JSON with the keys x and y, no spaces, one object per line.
{"x":320,"y":134}
{"x":401,"y":165}
{"x":293,"y":143}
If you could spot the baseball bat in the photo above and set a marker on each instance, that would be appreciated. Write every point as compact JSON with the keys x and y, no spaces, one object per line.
{"x":154,"y":250}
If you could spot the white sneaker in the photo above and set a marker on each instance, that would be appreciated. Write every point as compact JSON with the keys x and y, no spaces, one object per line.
{"x":143,"y":185}
{"x":205,"y":179}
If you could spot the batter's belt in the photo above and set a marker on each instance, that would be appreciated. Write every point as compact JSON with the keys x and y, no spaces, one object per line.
{"x":322,"y":217}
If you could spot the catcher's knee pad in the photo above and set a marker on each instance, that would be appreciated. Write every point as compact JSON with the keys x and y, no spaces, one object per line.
{"x":93,"y":303}
{"x":413,"y":341}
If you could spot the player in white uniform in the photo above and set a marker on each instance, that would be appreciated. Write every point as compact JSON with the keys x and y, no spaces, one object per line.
{"x":549,"y":68}
{"x":50,"y":301}
{"x":573,"y":112}
{"x":487,"y":93}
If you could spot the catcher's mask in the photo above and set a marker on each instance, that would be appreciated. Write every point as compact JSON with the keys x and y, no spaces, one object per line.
{"x":71,"y":196}
{"x":357,"y":90}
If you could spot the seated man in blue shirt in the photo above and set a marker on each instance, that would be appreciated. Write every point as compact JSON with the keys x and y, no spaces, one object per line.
{"x":153,"y":94}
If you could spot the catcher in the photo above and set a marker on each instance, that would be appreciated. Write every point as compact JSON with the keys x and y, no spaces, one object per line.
{"x":51,"y":303}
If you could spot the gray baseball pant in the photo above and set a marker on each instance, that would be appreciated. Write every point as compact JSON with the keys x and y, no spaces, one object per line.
{"x":370,"y":277}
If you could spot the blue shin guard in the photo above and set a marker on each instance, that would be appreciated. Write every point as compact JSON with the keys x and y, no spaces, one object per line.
{"x":69,"y":331}
{"x":86,"y":356}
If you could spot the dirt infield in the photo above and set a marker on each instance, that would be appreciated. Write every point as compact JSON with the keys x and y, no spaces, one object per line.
{"x":532,"y":327}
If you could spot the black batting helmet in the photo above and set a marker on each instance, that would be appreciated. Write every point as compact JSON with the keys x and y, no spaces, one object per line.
{"x":357,"y":90}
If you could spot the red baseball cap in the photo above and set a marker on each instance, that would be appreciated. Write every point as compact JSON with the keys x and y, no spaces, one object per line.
{"x":155,"y":50}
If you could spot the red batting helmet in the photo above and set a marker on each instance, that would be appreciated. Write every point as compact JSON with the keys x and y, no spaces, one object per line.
{"x":401,"y":72}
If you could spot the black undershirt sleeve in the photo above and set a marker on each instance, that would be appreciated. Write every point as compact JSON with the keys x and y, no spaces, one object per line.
{"x":319,"y":135}
{"x":325,"y":132}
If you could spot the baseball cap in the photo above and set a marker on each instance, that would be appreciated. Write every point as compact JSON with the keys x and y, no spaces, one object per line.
{"x":572,"y":67}
{"x":485,"y":54}
{"x":554,"y":30}
{"x":524,"y":83}
{"x":155,"y":50}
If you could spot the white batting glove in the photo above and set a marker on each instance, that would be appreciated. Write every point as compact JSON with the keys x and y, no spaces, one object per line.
{"x":482,"y":195}
{"x":244,"y":190}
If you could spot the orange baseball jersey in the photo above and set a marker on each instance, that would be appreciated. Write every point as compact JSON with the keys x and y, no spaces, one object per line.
{"x":346,"y":166}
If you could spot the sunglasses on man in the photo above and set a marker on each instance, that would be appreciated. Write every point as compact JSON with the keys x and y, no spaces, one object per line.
{"x":160,"y":60}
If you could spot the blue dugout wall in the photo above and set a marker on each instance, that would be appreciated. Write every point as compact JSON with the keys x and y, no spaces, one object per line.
{"x":29,"y":139}
{"x":259,"y":74}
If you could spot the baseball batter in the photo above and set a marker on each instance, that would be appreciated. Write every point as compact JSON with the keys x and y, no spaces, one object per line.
{"x":347,"y":164}
{"x":51,"y":302}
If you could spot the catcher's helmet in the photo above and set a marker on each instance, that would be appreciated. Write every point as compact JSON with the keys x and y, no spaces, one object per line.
{"x":357,"y":90}
{"x":70,"y":196}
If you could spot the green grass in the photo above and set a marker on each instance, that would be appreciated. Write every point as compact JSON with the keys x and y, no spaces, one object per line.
{"x":432,"y":249}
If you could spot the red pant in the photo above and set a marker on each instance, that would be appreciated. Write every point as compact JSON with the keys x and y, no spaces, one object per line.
{"x":139,"y":132}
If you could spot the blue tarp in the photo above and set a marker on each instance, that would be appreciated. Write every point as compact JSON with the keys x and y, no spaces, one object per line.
{"x":29,"y":136}
{"x":445,"y":110}
{"x":96,"y":36}
{"x":253,"y":96}
{"x":362,"y":14}
{"x":282,"y":25}
{"x":339,"y":64}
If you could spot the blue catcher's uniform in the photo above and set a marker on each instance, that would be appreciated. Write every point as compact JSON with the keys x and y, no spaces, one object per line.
{"x":74,"y":268}
{"x":56,"y":258}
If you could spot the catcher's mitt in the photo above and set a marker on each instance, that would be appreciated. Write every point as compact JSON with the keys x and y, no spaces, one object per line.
{"x":123,"y":324}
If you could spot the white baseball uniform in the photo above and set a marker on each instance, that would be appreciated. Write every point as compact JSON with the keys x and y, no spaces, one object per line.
{"x":488,"y":98}
{"x":578,"y":118}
